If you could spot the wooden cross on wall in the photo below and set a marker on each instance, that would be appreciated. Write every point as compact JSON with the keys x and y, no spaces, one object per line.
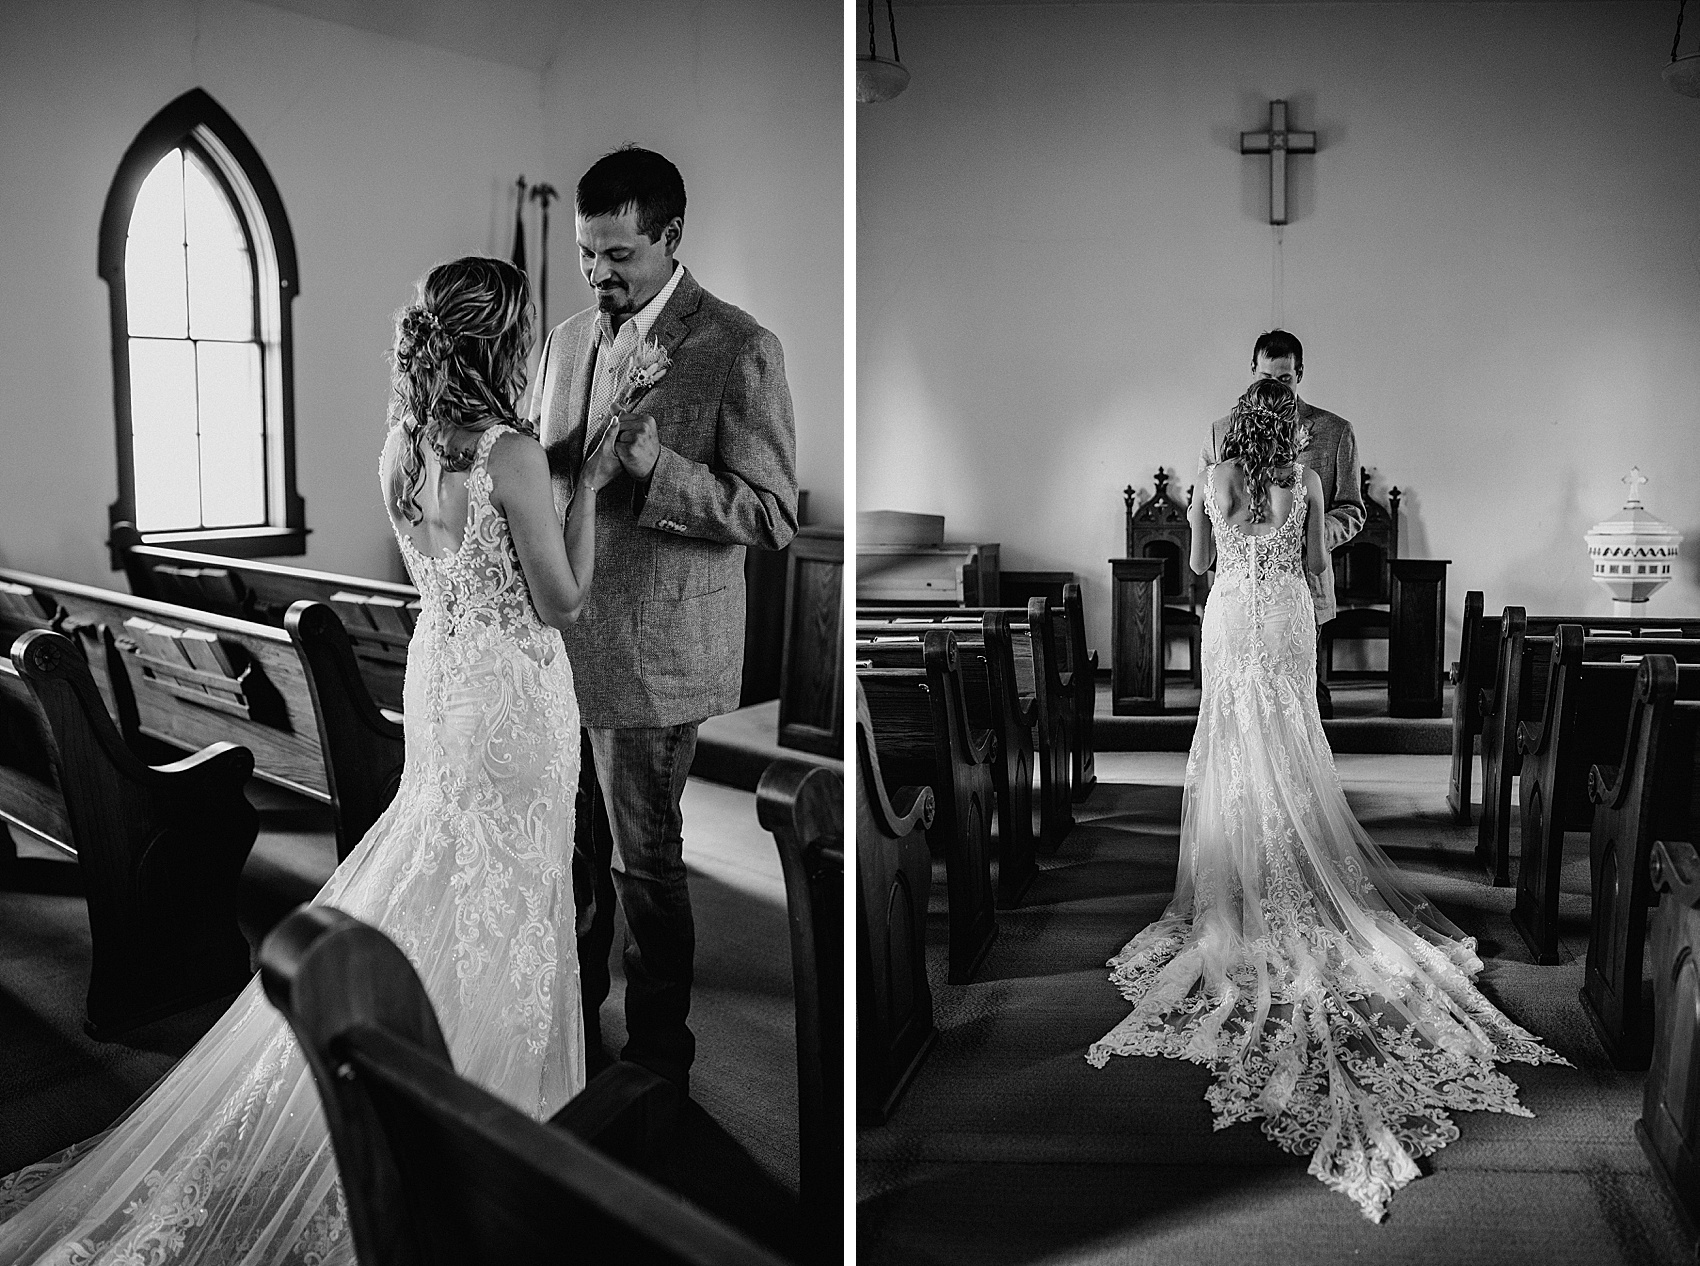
{"x":1277,"y":142}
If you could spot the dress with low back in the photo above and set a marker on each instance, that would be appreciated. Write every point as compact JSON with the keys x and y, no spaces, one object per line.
{"x":1327,"y":996}
{"x":227,"y":1160}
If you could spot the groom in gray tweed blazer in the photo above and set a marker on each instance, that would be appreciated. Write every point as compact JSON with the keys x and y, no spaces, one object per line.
{"x":1332,"y":453}
{"x":709,"y":467}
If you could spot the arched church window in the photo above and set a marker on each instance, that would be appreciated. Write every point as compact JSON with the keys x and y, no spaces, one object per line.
{"x":197,"y":254}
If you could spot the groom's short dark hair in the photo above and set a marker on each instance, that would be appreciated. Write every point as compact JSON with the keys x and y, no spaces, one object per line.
{"x":1276,"y":344}
{"x":636,"y":178}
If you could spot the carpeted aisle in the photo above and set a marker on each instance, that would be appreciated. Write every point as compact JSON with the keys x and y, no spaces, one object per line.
{"x":1009,"y":1147}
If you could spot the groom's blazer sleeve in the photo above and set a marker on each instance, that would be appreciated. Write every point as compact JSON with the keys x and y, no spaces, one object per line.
{"x":1345,"y":517}
{"x":748,"y":494}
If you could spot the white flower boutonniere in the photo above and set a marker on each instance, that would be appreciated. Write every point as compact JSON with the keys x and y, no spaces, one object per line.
{"x":647,"y":365}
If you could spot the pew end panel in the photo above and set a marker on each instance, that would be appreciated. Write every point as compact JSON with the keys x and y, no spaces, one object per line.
{"x":364,"y":749}
{"x":1648,"y":794}
{"x":1582,"y":721}
{"x":894,"y":1001}
{"x":160,"y":848}
{"x":921,"y":720}
{"x":802,"y":806}
{"x":1669,"y":1128}
{"x":436,"y":1169}
{"x":1470,"y":677}
{"x":1082,"y":667}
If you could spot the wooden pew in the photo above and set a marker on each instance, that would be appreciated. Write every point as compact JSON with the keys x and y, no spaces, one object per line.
{"x":1669,"y":1128}
{"x":894,"y":1002}
{"x":802,"y":805}
{"x":1652,"y":792}
{"x":921,"y":720}
{"x":159,"y":849}
{"x":1473,"y":677}
{"x":1582,"y":722}
{"x":986,"y":656}
{"x":1519,"y":684}
{"x":378,"y":615}
{"x":435,"y":1169}
{"x":264,"y":699}
{"x":1039,"y":677}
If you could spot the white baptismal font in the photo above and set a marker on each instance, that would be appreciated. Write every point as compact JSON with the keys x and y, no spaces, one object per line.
{"x":1634,"y":552}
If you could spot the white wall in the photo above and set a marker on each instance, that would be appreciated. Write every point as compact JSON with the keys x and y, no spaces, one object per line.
{"x":745,"y":97}
{"x":1494,"y":266}
{"x":390,"y":156}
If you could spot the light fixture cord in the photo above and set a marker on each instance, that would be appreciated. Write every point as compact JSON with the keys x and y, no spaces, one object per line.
{"x":873,"y":51}
{"x":1674,"y":42}
{"x":891,"y":23}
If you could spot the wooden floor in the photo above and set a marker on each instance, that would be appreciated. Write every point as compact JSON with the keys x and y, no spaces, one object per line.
{"x":1010,"y":1148}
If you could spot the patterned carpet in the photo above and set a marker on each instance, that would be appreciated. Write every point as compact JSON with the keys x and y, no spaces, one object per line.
{"x":1010,"y":1148}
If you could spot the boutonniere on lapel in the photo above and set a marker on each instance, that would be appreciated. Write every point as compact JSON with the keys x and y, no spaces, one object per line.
{"x":647,"y":365}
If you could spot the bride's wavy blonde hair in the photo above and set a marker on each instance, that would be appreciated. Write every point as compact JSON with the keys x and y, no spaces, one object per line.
{"x":458,"y":361}
{"x":1264,"y":434}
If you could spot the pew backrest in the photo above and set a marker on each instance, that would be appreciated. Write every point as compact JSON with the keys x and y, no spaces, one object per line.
{"x":434,"y":1168}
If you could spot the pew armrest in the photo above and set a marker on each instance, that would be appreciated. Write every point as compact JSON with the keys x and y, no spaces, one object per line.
{"x":1027,"y":710}
{"x":1530,"y":736}
{"x":1484,"y":701}
{"x":912,"y":807}
{"x":1675,"y":868}
{"x":623,"y":1112}
{"x":1606,"y":785}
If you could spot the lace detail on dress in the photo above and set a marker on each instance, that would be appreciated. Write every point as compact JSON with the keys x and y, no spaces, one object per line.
{"x":1330,"y":1000}
{"x":467,"y":871}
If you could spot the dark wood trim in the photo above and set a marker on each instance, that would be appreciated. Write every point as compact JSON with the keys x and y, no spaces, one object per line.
{"x":1136,"y":636}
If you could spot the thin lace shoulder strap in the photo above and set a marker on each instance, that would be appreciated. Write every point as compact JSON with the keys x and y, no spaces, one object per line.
{"x":1210,"y":490}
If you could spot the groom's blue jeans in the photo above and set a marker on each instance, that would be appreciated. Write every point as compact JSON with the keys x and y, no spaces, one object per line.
{"x":630,"y":842}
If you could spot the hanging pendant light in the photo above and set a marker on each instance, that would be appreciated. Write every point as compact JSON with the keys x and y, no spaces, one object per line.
{"x":880,"y":78}
{"x":1683,"y":73}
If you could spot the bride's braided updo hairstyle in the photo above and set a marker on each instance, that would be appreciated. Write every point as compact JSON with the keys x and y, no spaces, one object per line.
{"x":459,"y":362}
{"x":1263,"y":434}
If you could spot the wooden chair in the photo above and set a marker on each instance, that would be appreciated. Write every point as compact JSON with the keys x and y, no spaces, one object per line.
{"x":1363,"y":583}
{"x":1650,"y":793}
{"x":921,"y":719}
{"x":1669,"y":1128}
{"x":159,"y":849}
{"x":1158,"y":529}
{"x":894,"y":1002}
{"x":802,"y":805}
{"x":435,"y":1169}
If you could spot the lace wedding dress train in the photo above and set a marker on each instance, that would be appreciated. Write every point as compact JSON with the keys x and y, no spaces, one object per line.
{"x":227,"y":1160}
{"x":1326,"y":995}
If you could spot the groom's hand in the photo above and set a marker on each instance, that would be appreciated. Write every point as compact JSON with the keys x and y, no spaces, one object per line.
{"x":638,"y":444}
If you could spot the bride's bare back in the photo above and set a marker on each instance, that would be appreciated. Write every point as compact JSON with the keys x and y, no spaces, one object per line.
{"x":1233,"y":498}
{"x":441,"y":499}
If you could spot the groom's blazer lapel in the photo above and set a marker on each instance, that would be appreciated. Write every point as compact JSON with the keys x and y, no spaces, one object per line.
{"x":578,"y":399}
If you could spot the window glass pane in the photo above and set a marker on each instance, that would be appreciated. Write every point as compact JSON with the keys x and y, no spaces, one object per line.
{"x":162,"y":427}
{"x":233,"y":471}
{"x":154,"y":284}
{"x":221,"y":280}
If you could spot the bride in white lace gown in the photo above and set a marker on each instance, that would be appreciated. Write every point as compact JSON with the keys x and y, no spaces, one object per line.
{"x":1328,"y":997}
{"x":227,"y":1159}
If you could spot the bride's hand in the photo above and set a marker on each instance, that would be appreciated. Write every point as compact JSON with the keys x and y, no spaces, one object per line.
{"x":602,"y":465}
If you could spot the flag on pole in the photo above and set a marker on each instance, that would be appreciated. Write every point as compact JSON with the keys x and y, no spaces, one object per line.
{"x":519,"y":226}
